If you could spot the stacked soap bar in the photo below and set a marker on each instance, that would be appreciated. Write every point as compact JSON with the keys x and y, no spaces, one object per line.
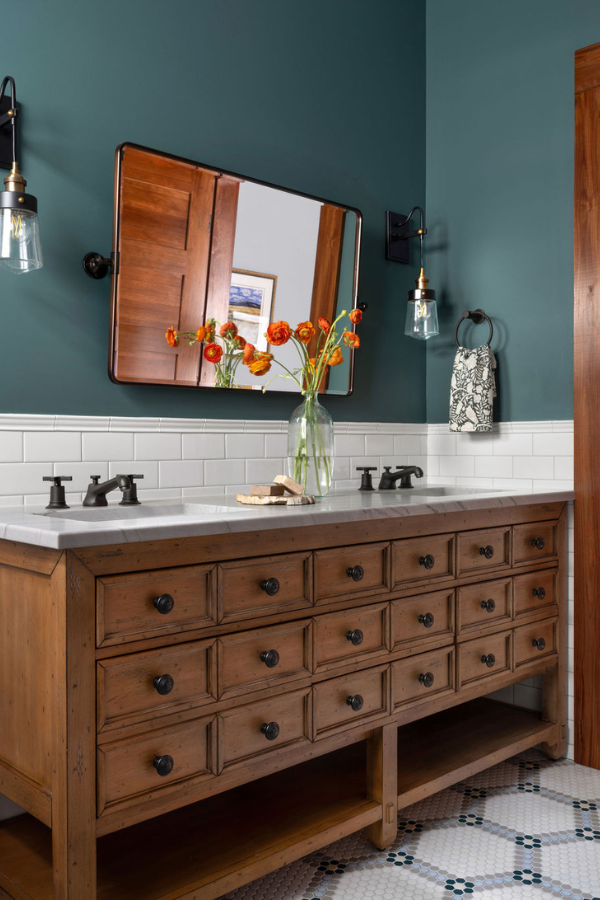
{"x":283,"y":492}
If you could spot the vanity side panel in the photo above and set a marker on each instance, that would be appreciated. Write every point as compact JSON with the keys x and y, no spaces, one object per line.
{"x":26,"y":663}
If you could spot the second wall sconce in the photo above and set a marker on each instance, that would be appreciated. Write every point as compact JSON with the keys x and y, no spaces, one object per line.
{"x":421,"y":314}
{"x":20,"y":249}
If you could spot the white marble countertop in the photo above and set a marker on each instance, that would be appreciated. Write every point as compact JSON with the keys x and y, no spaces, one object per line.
{"x":156,"y":520}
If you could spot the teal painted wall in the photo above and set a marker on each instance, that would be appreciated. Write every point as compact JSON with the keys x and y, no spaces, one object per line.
{"x":325,"y":97}
{"x":500,"y":191}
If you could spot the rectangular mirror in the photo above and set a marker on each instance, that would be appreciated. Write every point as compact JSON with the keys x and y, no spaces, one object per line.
{"x":192,"y":242}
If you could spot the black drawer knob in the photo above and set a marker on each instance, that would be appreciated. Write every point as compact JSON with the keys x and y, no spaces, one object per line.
{"x":426,"y":679}
{"x":164,"y":604}
{"x":356,"y":702}
{"x":270,"y":586}
{"x":164,"y":684}
{"x":427,"y":620}
{"x":270,"y":730}
{"x":539,"y":592}
{"x":270,"y":658}
{"x":355,"y":637}
{"x":163,"y":765}
{"x":540,"y":643}
{"x":487,"y":551}
{"x":427,"y":561}
{"x":489,"y":660}
{"x":489,"y":605}
{"x":540,"y":543}
{"x":356,"y":573}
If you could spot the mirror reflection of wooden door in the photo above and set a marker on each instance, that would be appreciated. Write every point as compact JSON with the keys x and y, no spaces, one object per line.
{"x":168,"y":263}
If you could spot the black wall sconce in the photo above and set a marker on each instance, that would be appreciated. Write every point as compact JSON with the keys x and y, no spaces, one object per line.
{"x":421,"y":314}
{"x":20,"y":249}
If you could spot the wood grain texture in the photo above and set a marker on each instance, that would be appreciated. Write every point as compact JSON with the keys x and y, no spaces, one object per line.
{"x":469,"y":547}
{"x":474,"y":610}
{"x":333,"y":578}
{"x":73,"y":730}
{"x":471,"y":667}
{"x":587,"y":397}
{"x":327,"y":270}
{"x":382,"y":778}
{"x":242,"y":594}
{"x":407,"y":688}
{"x":332,"y":632}
{"x":410,"y":620}
{"x":241,"y":664}
{"x":408,"y":559}
{"x":554,"y":687}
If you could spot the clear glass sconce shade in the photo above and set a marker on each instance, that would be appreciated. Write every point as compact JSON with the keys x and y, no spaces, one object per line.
{"x":20,"y":248}
{"x":421,"y":319}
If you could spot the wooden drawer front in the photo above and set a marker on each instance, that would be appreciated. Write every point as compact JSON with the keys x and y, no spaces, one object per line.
{"x":332,"y":710}
{"x":129,"y":686}
{"x":422,"y":559}
{"x":471,"y":664}
{"x":356,"y":634}
{"x":263,"y":586}
{"x":535,"y":641}
{"x":482,"y":550}
{"x":534,"y":542}
{"x":127,"y":768}
{"x":338,"y":572}
{"x":418,"y":678}
{"x":534,"y":591}
{"x":479,"y":605}
{"x":263,"y":656}
{"x":420,"y":618}
{"x":128,"y":607}
{"x":258,"y":728}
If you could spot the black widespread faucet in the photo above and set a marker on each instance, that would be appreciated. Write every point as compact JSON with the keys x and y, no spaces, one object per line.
{"x":96,"y":492}
{"x":389,"y":479}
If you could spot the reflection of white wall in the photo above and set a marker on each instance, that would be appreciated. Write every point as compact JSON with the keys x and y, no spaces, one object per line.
{"x":276,"y":233}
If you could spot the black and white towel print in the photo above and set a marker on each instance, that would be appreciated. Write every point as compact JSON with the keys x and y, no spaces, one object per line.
{"x":472,"y":389}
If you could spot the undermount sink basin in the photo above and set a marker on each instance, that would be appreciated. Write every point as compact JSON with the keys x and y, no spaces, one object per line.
{"x":118,"y":513}
{"x":444,"y":491}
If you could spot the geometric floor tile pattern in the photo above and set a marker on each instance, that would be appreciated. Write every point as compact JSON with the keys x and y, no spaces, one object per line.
{"x":527,"y":829}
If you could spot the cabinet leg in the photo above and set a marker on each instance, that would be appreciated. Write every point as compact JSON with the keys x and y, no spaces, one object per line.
{"x":554,"y":688}
{"x":382,"y":784}
{"x":74,"y":733}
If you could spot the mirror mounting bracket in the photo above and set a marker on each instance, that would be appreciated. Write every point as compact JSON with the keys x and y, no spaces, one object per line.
{"x":96,"y":266}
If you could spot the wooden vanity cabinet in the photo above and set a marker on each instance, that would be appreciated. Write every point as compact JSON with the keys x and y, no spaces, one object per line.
{"x":156,"y":697}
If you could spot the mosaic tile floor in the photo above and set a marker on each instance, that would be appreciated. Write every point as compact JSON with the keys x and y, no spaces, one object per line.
{"x":528,"y":829}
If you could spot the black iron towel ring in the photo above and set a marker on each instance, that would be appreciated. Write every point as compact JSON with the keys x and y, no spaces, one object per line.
{"x":477,"y":316}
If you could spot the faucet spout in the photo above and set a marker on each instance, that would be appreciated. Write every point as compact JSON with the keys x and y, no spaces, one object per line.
{"x":96,"y":492}
{"x":403,"y":473}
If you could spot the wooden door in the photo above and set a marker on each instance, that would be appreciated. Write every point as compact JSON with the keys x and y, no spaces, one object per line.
{"x":165,"y":209}
{"x":587,"y":406}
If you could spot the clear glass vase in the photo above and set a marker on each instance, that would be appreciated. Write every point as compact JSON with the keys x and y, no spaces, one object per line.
{"x":310,"y":446}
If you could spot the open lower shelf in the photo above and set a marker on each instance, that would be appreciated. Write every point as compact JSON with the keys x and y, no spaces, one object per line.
{"x":444,"y":748}
{"x":214,"y":845}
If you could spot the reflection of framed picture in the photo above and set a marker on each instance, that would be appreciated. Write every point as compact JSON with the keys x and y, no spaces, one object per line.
{"x":251,"y":301}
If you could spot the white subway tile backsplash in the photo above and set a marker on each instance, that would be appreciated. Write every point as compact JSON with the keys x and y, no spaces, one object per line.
{"x":225,"y":471}
{"x":381,"y":444}
{"x":51,"y":446}
{"x":494,"y":466}
{"x":506,"y":444}
{"x":17,"y":478}
{"x":157,"y":446}
{"x":107,"y":446}
{"x":563,"y":468}
{"x":203,"y":446}
{"x":263,"y":471}
{"x":349,"y":444}
{"x":244,"y":446}
{"x":148,"y":469}
{"x":463,"y":466}
{"x":442,"y":444}
{"x":180,"y":473}
{"x":533,"y":466}
{"x":553,"y":444}
{"x":11,"y":446}
{"x":478,"y":444}
{"x":275,"y":445}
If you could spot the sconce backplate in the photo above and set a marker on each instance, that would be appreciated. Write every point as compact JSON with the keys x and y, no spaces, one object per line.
{"x":395,"y":249}
{"x":6,"y":159}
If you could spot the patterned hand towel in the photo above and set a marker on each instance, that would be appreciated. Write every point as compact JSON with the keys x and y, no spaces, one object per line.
{"x":472,"y":389}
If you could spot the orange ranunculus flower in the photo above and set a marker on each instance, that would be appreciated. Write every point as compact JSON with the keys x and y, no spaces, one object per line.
{"x":356,"y":316}
{"x":351,"y":339}
{"x":248,"y":354}
{"x":336,"y":358}
{"x":228,"y":330}
{"x":278,"y":333}
{"x":172,"y":337}
{"x":240,"y":342}
{"x":261,"y":364}
{"x":304,"y":332}
{"x":324,"y":325}
{"x":201,"y":334}
{"x":213,"y":353}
